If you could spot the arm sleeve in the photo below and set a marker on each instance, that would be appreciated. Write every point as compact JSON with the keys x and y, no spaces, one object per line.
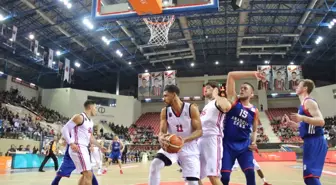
{"x":66,"y":130}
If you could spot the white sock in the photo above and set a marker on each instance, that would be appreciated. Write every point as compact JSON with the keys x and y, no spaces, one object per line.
{"x":192,"y":182}
{"x":264,"y":179}
{"x":154,"y":171}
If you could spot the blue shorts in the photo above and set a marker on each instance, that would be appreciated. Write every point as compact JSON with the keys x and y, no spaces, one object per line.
{"x":244,"y":157}
{"x":314,"y":153}
{"x":115,"y":155}
{"x":67,"y":166}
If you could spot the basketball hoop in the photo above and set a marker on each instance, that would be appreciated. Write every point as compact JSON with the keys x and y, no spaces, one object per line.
{"x":159,"y":27}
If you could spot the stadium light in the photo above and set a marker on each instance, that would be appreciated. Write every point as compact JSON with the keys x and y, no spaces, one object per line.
{"x":69,"y":5}
{"x":267,"y":62}
{"x":291,"y":63}
{"x":31,"y":36}
{"x":241,"y":62}
{"x":54,"y":63}
{"x":308,"y":52}
{"x":192,"y":64}
{"x":58,"y":53}
{"x":129,"y":63}
{"x":216,"y":62}
{"x":77,"y":64}
{"x":107,"y":42}
{"x":2,"y":18}
{"x":88,"y":23}
{"x":168,"y":67}
{"x":318,"y":40}
{"x":38,"y":54}
{"x":146,"y":71}
{"x":118,"y":52}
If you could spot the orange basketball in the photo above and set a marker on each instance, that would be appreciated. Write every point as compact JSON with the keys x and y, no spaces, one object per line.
{"x":175,"y":144}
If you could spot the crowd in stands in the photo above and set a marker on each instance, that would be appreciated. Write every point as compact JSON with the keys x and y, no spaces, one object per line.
{"x":330,"y":130}
{"x":261,"y":137}
{"x":27,"y":149}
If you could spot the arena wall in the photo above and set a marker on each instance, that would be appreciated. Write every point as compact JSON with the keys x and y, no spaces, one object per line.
{"x":283,"y":102}
{"x":6,"y":143}
{"x":70,"y":101}
{"x":326,"y":98}
{"x":27,"y":92}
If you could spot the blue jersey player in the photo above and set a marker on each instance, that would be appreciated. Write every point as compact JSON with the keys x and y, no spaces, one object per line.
{"x":115,"y":155}
{"x":67,"y":167}
{"x":310,"y":121}
{"x":240,"y":121}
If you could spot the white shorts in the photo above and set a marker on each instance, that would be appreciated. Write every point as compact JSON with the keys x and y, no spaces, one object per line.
{"x":256,"y":165}
{"x":96,"y":157}
{"x":190,"y":164}
{"x":81,"y":158}
{"x":211,"y":150}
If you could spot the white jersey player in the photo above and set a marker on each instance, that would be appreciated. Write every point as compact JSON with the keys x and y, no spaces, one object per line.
{"x":78,"y":134}
{"x":96,"y":157}
{"x":182,"y":119}
{"x":210,"y":144}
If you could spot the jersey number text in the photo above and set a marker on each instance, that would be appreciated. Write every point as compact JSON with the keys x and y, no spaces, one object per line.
{"x":243,"y":113}
{"x":179,"y":128}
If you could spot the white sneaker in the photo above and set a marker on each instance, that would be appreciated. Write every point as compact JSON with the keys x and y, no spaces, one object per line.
{"x":99,"y":172}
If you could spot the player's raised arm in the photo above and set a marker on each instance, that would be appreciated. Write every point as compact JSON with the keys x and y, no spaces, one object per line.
{"x":231,"y":85}
{"x":312,"y":107}
{"x":221,"y":102}
{"x":71,"y":124}
{"x":195,"y":123}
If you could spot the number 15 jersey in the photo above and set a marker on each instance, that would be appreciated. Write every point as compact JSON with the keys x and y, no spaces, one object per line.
{"x":180,"y":125}
{"x":238,"y":125}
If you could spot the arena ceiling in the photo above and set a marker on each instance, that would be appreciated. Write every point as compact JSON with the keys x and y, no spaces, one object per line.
{"x":279,"y":31}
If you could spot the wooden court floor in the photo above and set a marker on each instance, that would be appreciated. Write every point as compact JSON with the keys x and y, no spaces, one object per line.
{"x":277,"y":173}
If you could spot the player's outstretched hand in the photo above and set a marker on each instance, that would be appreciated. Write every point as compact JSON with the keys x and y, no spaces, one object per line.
{"x":296,"y":117}
{"x":260,"y":75}
{"x":103,"y":149}
{"x":253,"y":147}
{"x":74,"y":147}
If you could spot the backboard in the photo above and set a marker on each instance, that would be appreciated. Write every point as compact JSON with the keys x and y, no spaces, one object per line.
{"x":124,"y":9}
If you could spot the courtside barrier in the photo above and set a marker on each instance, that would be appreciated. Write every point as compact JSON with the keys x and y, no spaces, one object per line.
{"x":275,"y":156}
{"x":331,"y":157}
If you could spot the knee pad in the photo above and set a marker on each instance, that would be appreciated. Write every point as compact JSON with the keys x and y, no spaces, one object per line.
{"x":156,"y":165}
{"x":225,"y":178}
{"x":312,"y":181}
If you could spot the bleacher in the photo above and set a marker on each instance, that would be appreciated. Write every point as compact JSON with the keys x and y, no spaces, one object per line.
{"x":286,"y":134}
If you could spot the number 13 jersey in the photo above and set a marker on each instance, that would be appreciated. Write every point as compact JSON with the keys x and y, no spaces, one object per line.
{"x":180,"y":125}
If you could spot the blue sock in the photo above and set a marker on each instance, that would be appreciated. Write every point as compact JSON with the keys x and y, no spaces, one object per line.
{"x":56,"y":180}
{"x":94,"y":180}
{"x":250,"y":177}
{"x":312,"y":181}
{"x":225,"y":178}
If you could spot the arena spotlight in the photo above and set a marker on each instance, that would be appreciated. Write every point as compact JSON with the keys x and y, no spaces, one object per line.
{"x":2,"y":18}
{"x":241,"y":62}
{"x":118,"y":52}
{"x":216,"y":62}
{"x":129,"y":63}
{"x":291,"y":63}
{"x":236,"y":4}
{"x":168,"y":67}
{"x":88,"y":23}
{"x":308,"y":52}
{"x":58,"y":53}
{"x":192,"y":64}
{"x":31,"y":36}
{"x":146,"y":71}
{"x":77,"y":64}
{"x":318,"y":40}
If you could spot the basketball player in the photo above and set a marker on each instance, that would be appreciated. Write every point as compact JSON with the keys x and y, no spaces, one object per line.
{"x":96,"y":156}
{"x":310,"y":121}
{"x":80,"y":127}
{"x":182,"y":119}
{"x":67,"y":167}
{"x":240,"y":120}
{"x":116,"y":148}
{"x":210,"y":144}
{"x":256,"y":167}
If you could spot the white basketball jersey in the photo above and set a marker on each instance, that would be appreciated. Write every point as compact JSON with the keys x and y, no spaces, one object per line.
{"x":82,"y":133}
{"x":212,"y":120}
{"x":180,"y":125}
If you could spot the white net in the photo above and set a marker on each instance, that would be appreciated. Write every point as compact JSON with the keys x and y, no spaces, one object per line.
{"x":159,"y":27}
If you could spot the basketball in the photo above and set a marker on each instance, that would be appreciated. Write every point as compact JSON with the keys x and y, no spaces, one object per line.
{"x":175,"y":144}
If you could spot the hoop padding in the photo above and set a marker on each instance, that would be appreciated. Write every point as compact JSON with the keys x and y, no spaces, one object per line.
{"x":159,"y":27}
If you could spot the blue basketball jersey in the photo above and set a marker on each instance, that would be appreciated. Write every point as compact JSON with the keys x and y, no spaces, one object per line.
{"x":116,"y":146}
{"x":305,"y":129}
{"x":238,"y":123}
